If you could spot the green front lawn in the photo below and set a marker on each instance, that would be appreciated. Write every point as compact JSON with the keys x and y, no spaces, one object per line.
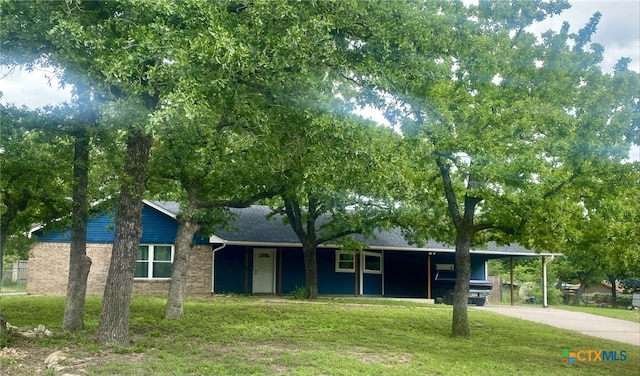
{"x":616,"y":313}
{"x":249,"y":336}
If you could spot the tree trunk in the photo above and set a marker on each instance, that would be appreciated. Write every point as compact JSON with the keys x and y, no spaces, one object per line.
{"x":310,"y":270}
{"x":3,"y":330}
{"x":3,"y":233}
{"x":460,"y":325}
{"x":577,"y":298}
{"x":614,"y":292}
{"x":114,"y":319}
{"x":3,"y":319}
{"x":464,"y":234}
{"x":187,"y":227}
{"x":307,"y":238}
{"x":4,"y":230}
{"x":79,"y":262}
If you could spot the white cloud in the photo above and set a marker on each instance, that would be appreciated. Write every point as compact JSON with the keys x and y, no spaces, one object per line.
{"x":33,"y":89}
{"x":634,"y":154}
{"x":618,"y":30}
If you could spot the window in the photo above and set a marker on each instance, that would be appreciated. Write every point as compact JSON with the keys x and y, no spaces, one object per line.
{"x":344,"y":262}
{"x":372,"y":263}
{"x":154,"y":261}
{"x":446,"y":267}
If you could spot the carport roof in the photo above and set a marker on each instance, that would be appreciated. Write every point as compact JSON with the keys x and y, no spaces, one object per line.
{"x":257,"y":226}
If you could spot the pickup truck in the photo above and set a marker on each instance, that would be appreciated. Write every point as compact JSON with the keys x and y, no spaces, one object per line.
{"x":479,"y":290}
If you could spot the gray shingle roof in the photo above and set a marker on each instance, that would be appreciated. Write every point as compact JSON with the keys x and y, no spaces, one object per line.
{"x":252,"y":227}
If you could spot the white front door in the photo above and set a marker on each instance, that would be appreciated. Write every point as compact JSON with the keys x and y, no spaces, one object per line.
{"x":263,"y":270}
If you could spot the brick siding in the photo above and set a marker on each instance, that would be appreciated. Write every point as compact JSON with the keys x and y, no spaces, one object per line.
{"x":49,"y":269}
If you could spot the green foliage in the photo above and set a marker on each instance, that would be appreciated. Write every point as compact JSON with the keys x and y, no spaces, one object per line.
{"x":5,"y":336}
{"x":575,"y":272}
{"x":624,"y":300}
{"x":600,"y":298}
{"x":527,"y":273}
{"x":301,"y":293}
{"x":351,"y":245}
{"x":554,"y":295}
{"x":30,"y":190}
{"x":541,"y":105}
{"x":17,"y":247}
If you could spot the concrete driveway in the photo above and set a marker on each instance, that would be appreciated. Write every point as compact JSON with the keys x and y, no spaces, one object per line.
{"x":585,"y":323}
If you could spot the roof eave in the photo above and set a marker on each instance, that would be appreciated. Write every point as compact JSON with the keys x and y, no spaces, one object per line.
{"x":214,"y":239}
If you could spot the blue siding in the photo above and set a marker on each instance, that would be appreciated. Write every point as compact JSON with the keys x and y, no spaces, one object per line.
{"x":157,"y":228}
{"x":292,"y":269}
{"x":330,"y":282}
{"x":372,"y":284}
{"x":405,"y":274}
{"x":230,"y":270}
{"x":99,"y":230}
{"x":61,"y":236}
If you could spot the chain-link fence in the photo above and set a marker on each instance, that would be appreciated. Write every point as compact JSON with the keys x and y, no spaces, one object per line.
{"x":14,"y":278}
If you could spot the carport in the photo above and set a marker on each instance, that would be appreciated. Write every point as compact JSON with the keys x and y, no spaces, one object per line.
{"x":515,"y":252}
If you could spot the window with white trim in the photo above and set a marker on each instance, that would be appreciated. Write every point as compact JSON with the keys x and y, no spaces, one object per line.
{"x":345,"y":262}
{"x":154,"y":262}
{"x":372,"y":263}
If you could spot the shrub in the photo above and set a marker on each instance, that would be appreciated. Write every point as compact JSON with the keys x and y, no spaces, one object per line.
{"x":599,"y":298}
{"x":624,"y":300}
{"x":554,"y":295}
{"x":301,"y":293}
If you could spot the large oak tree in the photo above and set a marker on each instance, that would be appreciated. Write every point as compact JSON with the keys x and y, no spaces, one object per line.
{"x":504,"y":125}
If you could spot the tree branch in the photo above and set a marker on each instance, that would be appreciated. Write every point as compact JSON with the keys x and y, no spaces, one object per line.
{"x":292,"y":209}
{"x":236,"y":203}
{"x":557,"y":189}
{"x":483,"y":226}
{"x":452,"y":204}
{"x":313,"y":214}
{"x":338,"y":235}
{"x":446,"y":156}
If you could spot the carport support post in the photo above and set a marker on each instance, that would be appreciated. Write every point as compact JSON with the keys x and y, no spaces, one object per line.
{"x":544,"y":282}
{"x":511,"y":278}
{"x":355,"y":274}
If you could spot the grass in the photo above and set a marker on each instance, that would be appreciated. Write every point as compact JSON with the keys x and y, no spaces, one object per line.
{"x":373,"y":301}
{"x":12,"y":288}
{"x":616,"y":313}
{"x":249,"y":336}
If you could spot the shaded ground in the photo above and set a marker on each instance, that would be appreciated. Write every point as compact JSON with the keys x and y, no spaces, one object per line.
{"x":24,"y":359}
